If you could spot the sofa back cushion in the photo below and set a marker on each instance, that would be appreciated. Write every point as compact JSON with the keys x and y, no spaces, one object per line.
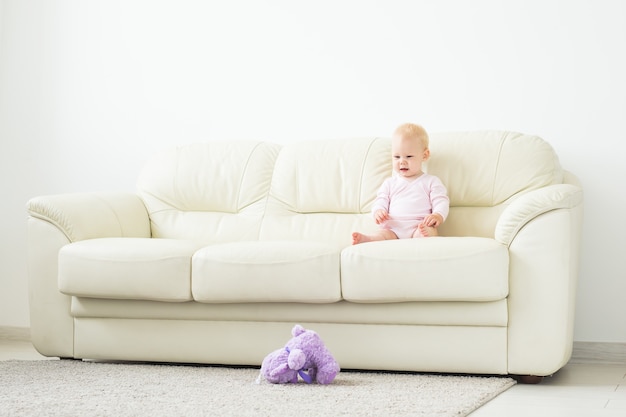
{"x":484,"y":171}
{"x":334,"y":176}
{"x":323,"y":189}
{"x":210,"y":192}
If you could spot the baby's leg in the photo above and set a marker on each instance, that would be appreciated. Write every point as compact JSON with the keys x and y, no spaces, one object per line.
{"x":382,"y":235}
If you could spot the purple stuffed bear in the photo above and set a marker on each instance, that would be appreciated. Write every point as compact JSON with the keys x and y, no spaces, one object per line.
{"x":304,"y":355}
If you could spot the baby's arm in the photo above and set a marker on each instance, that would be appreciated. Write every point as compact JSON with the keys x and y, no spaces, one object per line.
{"x":440,"y":203}
{"x":380,"y":208}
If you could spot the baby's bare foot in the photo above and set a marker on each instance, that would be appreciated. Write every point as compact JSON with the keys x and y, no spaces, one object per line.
{"x":428,"y":231}
{"x":360,"y":238}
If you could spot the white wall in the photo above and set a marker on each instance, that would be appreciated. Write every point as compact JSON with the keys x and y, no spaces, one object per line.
{"x":89,"y":88}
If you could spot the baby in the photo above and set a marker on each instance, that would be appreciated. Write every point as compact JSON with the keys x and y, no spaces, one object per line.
{"x":410,"y":203}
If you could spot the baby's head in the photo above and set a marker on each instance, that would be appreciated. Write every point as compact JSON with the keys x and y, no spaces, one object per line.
{"x":409,"y":149}
{"x":413,"y":133}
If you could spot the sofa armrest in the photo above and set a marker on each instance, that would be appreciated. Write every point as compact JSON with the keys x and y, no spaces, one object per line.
{"x":543,"y":231}
{"x":54,"y":221}
{"x":91,"y":215}
{"x":533,"y":204}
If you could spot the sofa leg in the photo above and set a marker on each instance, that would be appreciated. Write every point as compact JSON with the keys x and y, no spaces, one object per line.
{"x":528,"y":379}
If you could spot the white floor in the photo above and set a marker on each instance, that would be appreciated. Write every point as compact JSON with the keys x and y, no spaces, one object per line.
{"x":579,"y":389}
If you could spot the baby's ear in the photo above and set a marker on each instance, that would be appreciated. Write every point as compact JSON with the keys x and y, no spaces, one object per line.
{"x":426,"y":154}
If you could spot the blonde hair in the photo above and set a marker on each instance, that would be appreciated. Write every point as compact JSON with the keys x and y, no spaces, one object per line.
{"x":411,"y":130}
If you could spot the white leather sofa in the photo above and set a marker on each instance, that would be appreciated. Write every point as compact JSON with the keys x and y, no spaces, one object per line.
{"x":226,"y":245}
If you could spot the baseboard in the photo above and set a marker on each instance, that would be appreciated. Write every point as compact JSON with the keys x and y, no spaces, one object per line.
{"x":15,"y":334}
{"x":599,"y":353}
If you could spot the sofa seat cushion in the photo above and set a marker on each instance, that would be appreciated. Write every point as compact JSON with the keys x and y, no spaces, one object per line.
{"x":428,"y":269}
{"x":128,"y":268}
{"x":267,"y":271}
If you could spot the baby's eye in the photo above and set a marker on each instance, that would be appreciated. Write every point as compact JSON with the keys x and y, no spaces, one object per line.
{"x":396,"y":157}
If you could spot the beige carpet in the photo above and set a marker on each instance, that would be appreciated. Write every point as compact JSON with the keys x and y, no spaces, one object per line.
{"x":75,"y":388}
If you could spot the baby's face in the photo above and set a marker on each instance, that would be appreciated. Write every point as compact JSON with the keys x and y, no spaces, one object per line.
{"x":408,"y":154}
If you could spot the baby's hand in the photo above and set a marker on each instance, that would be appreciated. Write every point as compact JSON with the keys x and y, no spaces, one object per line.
{"x":433,"y":220}
{"x":381,"y":216}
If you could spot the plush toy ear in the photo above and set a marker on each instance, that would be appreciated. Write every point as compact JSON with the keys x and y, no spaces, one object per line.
{"x":296,"y":359}
{"x":297,"y":330}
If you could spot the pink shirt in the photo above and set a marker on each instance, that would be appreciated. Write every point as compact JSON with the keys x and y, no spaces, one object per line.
{"x":408,"y":202}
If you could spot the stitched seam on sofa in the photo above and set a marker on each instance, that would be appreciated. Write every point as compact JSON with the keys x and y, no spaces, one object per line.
{"x":503,"y":139}
{"x":110,"y":207}
{"x":45,"y":212}
{"x":177,"y":197}
{"x":527,"y":219}
{"x":267,"y":199}
{"x":297,"y":190}
{"x":364,"y":163}
{"x":243,"y":175}
{"x":56,"y":224}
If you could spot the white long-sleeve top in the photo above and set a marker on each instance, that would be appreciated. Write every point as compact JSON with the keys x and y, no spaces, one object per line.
{"x":409,"y":201}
